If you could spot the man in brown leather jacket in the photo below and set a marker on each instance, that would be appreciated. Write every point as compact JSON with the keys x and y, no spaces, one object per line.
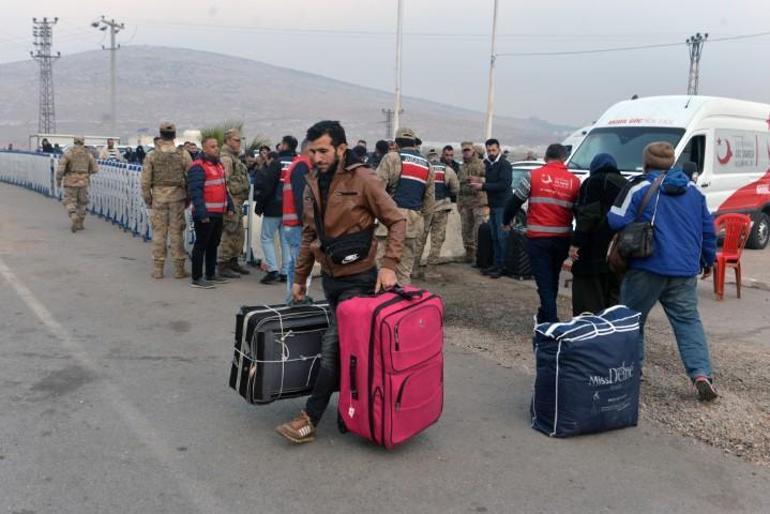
{"x":349,"y":198}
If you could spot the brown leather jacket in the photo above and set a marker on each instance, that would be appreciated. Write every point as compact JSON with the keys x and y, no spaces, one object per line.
{"x":356,"y":199}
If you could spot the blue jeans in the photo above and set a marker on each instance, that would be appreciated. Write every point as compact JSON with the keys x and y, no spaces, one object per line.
{"x":499,"y":236}
{"x":679,"y":297}
{"x":292,"y":237}
{"x":547,"y":254}
{"x":271,"y":225}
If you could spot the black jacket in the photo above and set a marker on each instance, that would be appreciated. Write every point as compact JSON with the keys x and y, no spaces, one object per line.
{"x":592,"y":233}
{"x":498,"y":180}
{"x":268,"y":192}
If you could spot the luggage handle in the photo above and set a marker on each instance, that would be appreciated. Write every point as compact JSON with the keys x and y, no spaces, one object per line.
{"x":353,"y":376}
{"x":403,"y":293}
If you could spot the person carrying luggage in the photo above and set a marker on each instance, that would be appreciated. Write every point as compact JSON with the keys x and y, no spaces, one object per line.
{"x":342,"y":202}
{"x":594,"y":286}
{"x":684,"y":244}
{"x":552,"y":192}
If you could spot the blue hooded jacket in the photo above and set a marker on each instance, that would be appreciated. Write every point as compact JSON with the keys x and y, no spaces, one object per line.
{"x":684,"y":230}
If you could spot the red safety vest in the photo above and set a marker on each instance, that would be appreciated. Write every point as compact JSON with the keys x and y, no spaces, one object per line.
{"x":552,"y":196}
{"x":214,"y":187}
{"x":290,"y":218}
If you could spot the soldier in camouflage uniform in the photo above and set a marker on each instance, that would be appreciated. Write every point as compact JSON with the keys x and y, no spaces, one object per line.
{"x":408,"y":178}
{"x":164,"y":190}
{"x":471,"y":204}
{"x":74,"y":172}
{"x":446,"y":187}
{"x":231,"y":246}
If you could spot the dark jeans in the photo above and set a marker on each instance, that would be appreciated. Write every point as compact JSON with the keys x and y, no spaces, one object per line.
{"x":499,"y":236}
{"x":641,"y":290}
{"x":207,"y":236}
{"x":594,"y":292}
{"x":547,"y":255}
{"x":336,"y":290}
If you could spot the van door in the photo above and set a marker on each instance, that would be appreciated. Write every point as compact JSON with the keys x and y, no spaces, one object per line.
{"x":739,"y":181}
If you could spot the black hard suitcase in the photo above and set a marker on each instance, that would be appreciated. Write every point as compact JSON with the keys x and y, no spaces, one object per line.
{"x":517,"y":263}
{"x":277,"y":350}
{"x":484,"y":256}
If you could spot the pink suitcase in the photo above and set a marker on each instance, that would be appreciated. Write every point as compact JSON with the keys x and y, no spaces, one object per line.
{"x":391,"y":364}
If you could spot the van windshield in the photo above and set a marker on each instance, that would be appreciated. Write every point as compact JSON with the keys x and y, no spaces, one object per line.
{"x":625,"y":144}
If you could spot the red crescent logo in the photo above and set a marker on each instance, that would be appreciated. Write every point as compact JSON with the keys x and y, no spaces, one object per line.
{"x":729,"y":155}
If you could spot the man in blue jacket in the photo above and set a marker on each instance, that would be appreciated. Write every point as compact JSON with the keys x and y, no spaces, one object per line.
{"x":684,"y":243}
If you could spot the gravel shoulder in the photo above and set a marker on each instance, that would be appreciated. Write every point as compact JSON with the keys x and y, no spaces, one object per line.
{"x":495,"y":318}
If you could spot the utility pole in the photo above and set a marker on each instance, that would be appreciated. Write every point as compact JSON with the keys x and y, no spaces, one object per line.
{"x":114,"y":27}
{"x":491,"y":92}
{"x":695,"y":45}
{"x":42,"y":31}
{"x":396,"y":113}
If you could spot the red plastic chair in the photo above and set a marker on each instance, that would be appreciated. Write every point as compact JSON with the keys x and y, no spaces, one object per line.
{"x":736,"y":229}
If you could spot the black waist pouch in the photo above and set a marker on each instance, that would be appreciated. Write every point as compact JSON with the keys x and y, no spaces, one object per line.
{"x":349,"y":248}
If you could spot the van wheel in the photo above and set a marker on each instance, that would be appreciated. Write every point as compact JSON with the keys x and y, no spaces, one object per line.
{"x":760,"y":232}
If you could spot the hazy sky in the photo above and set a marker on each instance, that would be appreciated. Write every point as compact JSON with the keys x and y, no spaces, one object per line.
{"x":446,"y":44}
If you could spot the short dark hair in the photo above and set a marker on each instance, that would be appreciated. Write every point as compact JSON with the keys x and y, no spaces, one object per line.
{"x":555,"y":151}
{"x":291,"y":142}
{"x":264,"y":147}
{"x":330,"y":128}
{"x":203,"y":141}
{"x":382,"y":146}
{"x":448,"y":147}
{"x":359,"y":151}
{"x":492,"y":141}
{"x":361,"y":141}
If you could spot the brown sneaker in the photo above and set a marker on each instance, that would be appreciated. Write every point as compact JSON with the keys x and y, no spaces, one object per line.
{"x":299,"y":430}
{"x":705,"y":388}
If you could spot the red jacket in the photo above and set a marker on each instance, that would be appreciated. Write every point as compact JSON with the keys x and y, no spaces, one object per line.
{"x":214,"y":186}
{"x":552,"y":196}
{"x":291,"y":215}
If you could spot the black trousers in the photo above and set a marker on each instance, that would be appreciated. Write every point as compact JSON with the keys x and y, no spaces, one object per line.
{"x":336,"y":290}
{"x":594,"y":292}
{"x":207,"y":236}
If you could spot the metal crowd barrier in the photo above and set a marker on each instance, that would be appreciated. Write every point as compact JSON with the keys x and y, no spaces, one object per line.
{"x":115,"y":192}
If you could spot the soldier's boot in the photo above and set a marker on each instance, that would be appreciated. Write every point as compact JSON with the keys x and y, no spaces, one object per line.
{"x":224,"y":270}
{"x":179,"y":271}
{"x":74,"y":223}
{"x":80,"y":224}
{"x":236,"y":267}
{"x":431,"y":273}
{"x":157,"y":270}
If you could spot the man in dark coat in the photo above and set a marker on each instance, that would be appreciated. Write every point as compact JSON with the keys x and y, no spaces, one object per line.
{"x":594,"y":286}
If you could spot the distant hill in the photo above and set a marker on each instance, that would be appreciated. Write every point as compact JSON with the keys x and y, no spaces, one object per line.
{"x":196,"y":89}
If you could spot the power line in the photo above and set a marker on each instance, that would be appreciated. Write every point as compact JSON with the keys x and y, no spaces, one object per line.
{"x":626,"y":48}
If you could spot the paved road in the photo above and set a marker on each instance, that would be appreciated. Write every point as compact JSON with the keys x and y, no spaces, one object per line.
{"x":113,"y":398}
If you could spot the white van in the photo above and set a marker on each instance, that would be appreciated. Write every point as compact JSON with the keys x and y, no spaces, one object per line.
{"x":728,"y":141}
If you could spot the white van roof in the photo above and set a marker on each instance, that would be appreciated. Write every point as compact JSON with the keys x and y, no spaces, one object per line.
{"x":677,"y":111}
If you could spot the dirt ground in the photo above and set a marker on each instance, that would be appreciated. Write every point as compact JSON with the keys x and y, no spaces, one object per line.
{"x":738,"y":422}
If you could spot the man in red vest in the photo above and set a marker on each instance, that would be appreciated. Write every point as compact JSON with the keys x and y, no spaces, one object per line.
{"x":552,"y":192}
{"x":207,"y":189}
{"x":293,"y":185}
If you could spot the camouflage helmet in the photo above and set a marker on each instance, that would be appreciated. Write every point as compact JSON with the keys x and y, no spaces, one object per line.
{"x":406,"y":133}
{"x":79,"y":140}
{"x":167,"y":126}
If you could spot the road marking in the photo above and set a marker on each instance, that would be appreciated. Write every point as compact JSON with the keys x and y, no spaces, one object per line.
{"x":196,"y":491}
